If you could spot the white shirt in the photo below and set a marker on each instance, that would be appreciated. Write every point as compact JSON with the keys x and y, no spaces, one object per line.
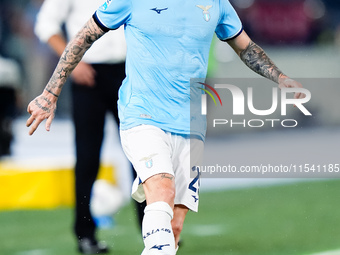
{"x":10,"y":75}
{"x":110,"y":48}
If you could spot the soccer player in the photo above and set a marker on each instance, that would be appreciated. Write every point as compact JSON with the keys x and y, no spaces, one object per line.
{"x":167,"y":44}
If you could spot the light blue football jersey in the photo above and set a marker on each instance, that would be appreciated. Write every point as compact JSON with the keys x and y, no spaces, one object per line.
{"x":168,"y":43}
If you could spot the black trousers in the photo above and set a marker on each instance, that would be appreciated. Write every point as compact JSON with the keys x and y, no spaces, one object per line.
{"x":90,"y":105}
{"x":8,"y":111}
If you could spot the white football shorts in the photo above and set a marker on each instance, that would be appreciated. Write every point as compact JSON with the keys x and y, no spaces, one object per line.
{"x":153,"y":151}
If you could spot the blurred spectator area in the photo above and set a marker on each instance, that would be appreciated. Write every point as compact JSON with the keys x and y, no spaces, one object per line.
{"x":18,"y":43}
{"x":289,"y":21}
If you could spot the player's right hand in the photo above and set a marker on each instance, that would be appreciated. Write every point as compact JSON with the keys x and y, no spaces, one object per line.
{"x":84,"y":74}
{"x":41,"y":108}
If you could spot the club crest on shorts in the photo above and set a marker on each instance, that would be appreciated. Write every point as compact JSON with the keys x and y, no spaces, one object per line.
{"x":149,"y":163}
{"x":148,"y":160}
{"x":206,"y":14}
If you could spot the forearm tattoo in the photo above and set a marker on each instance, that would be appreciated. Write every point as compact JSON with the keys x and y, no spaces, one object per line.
{"x":72,"y":55}
{"x":257,"y":60}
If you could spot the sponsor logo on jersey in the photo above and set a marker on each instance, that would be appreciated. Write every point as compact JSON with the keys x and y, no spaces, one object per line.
{"x":205,"y":9}
{"x":106,"y":4}
{"x":145,"y":116}
{"x":158,"y":10}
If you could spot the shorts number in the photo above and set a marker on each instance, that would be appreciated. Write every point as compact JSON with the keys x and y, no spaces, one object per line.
{"x":196,"y":179}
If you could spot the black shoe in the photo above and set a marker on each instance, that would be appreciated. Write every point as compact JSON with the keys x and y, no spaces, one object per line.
{"x":89,"y":246}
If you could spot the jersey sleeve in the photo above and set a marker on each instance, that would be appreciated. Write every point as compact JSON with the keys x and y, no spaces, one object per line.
{"x":112,"y":14}
{"x":230,"y":25}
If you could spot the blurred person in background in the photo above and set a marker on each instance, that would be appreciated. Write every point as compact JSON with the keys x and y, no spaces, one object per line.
{"x":95,"y":84}
{"x":333,"y":15}
{"x":18,"y":43}
{"x":167,"y":46}
{"x":10,"y":82}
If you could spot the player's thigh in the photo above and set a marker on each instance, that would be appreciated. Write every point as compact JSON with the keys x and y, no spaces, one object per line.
{"x":147,"y":148}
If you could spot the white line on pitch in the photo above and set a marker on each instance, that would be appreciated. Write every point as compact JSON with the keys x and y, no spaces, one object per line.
{"x":336,"y":252}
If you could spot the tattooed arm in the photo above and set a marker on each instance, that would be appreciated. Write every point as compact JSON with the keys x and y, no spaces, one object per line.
{"x":44,"y":106}
{"x":84,"y":74}
{"x":258,"y":61}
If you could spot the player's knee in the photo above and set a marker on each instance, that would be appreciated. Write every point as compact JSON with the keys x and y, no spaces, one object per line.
{"x":168,"y":183}
{"x":160,"y":188}
{"x":168,"y":193}
{"x":163,"y":194}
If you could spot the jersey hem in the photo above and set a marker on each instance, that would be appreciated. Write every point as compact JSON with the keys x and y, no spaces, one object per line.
{"x":165,"y":128}
{"x":234,"y":36}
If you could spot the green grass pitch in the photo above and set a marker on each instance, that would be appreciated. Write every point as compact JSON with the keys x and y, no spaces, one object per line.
{"x":292,"y":219}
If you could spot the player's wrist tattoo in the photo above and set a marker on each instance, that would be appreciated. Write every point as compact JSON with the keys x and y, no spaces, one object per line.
{"x":257,"y":60}
{"x":49,"y":91}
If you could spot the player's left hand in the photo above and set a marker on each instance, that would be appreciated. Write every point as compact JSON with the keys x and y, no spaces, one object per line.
{"x":287,"y":82}
{"x":41,"y":108}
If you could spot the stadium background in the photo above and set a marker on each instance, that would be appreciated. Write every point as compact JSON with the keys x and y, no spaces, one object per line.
{"x":237,"y":216}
